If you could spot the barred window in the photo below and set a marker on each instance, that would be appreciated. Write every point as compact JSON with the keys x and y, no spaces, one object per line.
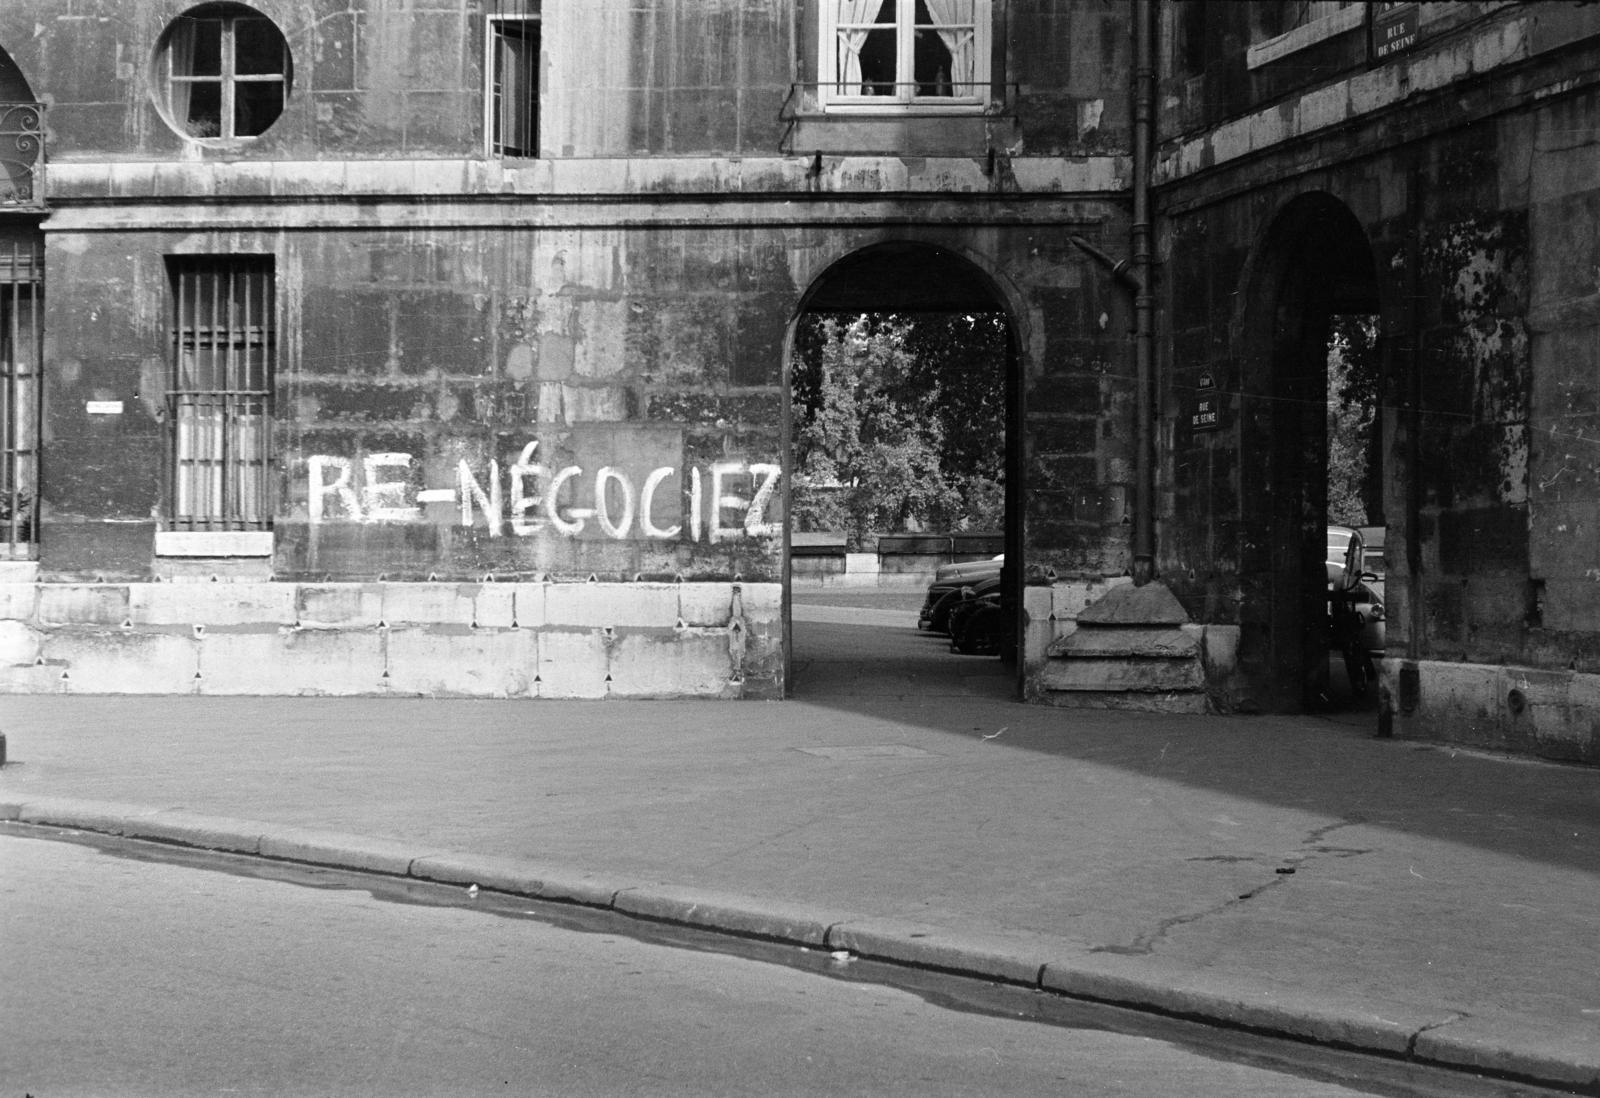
{"x":220,"y":400}
{"x":21,"y":304}
{"x":513,"y":98}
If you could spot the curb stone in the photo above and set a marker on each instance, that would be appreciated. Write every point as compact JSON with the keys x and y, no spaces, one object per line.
{"x":728,"y":913}
{"x":1447,"y":1042}
{"x":518,"y":877}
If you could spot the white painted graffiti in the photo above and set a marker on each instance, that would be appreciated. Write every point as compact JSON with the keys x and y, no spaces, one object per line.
{"x":532,"y":497}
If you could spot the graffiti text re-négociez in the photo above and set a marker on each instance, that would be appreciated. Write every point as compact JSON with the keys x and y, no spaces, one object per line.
{"x":532,"y":497}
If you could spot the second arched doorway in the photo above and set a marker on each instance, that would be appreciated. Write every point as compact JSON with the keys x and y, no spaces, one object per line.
{"x":1307,"y":328}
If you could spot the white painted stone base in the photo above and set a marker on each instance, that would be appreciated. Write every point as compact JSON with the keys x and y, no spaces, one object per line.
{"x":524,"y":640}
{"x":1554,"y":714}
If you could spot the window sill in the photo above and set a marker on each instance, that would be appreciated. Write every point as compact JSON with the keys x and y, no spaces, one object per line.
{"x":213,"y":543}
{"x":1346,"y":18}
{"x":898,"y":110}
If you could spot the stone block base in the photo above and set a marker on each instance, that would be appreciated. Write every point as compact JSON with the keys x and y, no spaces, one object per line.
{"x":489,"y":640}
{"x":1552,"y":714}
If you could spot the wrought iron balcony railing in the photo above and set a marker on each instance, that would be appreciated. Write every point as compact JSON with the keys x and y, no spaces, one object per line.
{"x":21,"y":153}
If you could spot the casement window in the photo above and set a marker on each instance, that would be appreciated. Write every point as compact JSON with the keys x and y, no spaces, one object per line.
{"x":219,"y":403}
{"x":904,"y":55}
{"x":225,"y":72}
{"x":21,"y":308}
{"x":512,"y":98}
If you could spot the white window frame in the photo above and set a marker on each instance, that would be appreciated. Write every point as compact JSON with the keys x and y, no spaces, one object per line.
{"x":492,"y":97}
{"x":905,"y":101}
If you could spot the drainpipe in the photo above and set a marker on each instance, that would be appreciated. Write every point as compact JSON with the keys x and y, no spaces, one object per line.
{"x":1144,"y":87}
{"x":1134,"y":273}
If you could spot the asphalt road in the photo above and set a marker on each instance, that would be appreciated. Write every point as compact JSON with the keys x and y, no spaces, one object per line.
{"x":134,"y":969}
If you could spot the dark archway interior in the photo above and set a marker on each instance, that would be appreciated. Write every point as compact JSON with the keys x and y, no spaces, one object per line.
{"x":1316,"y":264}
{"x":13,"y":85}
{"x":901,"y":278}
{"x":910,"y":279}
{"x":21,"y":133}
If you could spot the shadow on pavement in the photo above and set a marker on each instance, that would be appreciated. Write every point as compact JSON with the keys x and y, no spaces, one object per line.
{"x":1330,"y":763}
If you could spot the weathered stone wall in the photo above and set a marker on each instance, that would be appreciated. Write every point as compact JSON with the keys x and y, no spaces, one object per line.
{"x":1476,"y":195}
{"x":558,"y":374}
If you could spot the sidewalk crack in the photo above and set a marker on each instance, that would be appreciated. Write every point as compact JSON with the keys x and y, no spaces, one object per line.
{"x":1310,"y":846}
{"x":1146,"y":943}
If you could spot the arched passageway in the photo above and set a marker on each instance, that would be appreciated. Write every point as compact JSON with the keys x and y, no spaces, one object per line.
{"x":1311,"y":289}
{"x":916,"y":343}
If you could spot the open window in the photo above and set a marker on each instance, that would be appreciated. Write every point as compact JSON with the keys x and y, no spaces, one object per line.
{"x":224,"y":70}
{"x":219,"y":398}
{"x":904,"y":55}
{"x":512,"y":100}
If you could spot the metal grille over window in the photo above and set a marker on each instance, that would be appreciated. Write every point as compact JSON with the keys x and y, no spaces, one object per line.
{"x":21,"y":306}
{"x":220,"y":402}
{"x":514,"y":87}
{"x":227,"y":72}
{"x":21,"y":147}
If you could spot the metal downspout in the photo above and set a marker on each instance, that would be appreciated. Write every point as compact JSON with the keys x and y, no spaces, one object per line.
{"x":1144,"y":540}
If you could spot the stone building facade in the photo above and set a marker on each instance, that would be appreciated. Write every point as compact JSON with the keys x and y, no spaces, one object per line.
{"x":1436,"y":167}
{"x":441,"y":345}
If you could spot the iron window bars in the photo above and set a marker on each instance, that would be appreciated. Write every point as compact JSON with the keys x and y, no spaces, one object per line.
{"x":220,"y":400}
{"x":21,"y":348}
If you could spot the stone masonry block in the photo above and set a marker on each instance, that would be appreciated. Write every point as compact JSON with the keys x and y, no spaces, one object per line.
{"x":121,"y":662}
{"x":482,"y":663}
{"x":572,"y":664}
{"x":82,"y":604}
{"x":598,"y":605}
{"x":428,"y":603}
{"x":292,"y":661}
{"x":1069,"y":598}
{"x":1571,"y":603}
{"x":762,"y":601}
{"x":657,"y":665}
{"x":1038,"y":603}
{"x":705,"y":604}
{"x":1463,"y":688}
{"x":1220,"y":648}
{"x":495,"y":605}
{"x":527,"y":604}
{"x":340,"y":604}
{"x":211,"y":603}
{"x":1122,"y":675}
{"x":19,"y":644}
{"x":18,"y":601}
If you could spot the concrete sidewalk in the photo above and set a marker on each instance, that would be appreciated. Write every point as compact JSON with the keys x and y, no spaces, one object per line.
{"x":1291,"y":874}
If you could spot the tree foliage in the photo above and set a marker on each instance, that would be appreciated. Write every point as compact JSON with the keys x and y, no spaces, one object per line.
{"x":1352,"y":420}
{"x":899,"y":423}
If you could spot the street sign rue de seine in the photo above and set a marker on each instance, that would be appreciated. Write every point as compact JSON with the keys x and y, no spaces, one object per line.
{"x":1203,"y":416}
{"x":1394,"y":27}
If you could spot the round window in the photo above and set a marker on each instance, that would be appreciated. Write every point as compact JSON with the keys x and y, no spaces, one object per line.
{"x":223,"y":73}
